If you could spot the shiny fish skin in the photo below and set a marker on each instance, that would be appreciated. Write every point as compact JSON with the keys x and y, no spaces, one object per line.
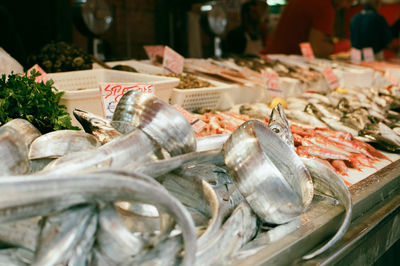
{"x":279,"y":124}
{"x":91,"y":187}
{"x":59,"y":143}
{"x":16,"y":257}
{"x":13,"y":152}
{"x":100,"y":127}
{"x":60,"y":233}
{"x":211,"y":142}
{"x":329,"y":183}
{"x":28,"y":131}
{"x":21,"y":233}
{"x":209,"y":172}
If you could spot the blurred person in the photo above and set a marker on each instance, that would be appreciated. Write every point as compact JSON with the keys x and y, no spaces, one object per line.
{"x":249,"y":38}
{"x":306,"y":21}
{"x":370,"y":29}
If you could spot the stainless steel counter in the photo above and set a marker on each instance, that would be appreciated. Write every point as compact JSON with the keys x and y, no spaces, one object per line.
{"x":375,"y":226}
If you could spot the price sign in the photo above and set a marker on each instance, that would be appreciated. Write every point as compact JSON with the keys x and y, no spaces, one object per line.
{"x":331,"y":78}
{"x":172,"y":62}
{"x":355,"y":56}
{"x":111,"y":93}
{"x":196,"y":123}
{"x":271,"y":79}
{"x":307,"y":51}
{"x":368,"y":54}
{"x":154,"y":52}
{"x":43,"y":75}
{"x":392,"y":79}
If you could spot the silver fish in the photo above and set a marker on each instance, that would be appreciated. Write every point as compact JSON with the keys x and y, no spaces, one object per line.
{"x":340,"y":126}
{"x":100,"y":127}
{"x":13,"y":152}
{"x":159,"y":120}
{"x":83,"y":250}
{"x":28,"y":131}
{"x":16,"y":257}
{"x":329,"y":183}
{"x":60,"y":234}
{"x":21,"y":233}
{"x":59,"y":143}
{"x":211,"y":142}
{"x":212,"y":174}
{"x":255,"y":110}
{"x":38,"y":195}
{"x":304,"y":118}
{"x":114,"y":240}
{"x":268,"y":173}
{"x":279,"y":124}
{"x":239,"y":228}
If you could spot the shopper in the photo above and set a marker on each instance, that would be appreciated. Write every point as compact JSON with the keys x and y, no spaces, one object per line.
{"x":370,"y":29}
{"x":306,"y":21}
{"x":249,"y":38}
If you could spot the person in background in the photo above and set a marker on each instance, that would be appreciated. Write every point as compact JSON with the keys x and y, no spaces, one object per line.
{"x":306,"y":21}
{"x":370,"y":29}
{"x":249,"y":38}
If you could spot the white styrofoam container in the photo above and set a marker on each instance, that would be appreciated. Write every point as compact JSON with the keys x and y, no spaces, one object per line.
{"x":141,"y":67}
{"x":82,"y":88}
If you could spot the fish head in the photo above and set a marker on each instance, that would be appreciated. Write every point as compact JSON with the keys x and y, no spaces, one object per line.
{"x":279,"y":124}
{"x":90,"y":122}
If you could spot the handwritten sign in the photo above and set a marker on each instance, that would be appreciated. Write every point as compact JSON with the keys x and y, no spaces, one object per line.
{"x":307,"y":51}
{"x":271,"y":80}
{"x":392,"y":79}
{"x":154,"y":52}
{"x":368,"y":54}
{"x":43,"y":75}
{"x":172,"y":62}
{"x":196,"y":123}
{"x":111,"y":93}
{"x":331,"y":78}
{"x":355,"y":56}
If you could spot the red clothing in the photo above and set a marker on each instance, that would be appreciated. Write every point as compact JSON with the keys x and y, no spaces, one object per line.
{"x":296,"y":21}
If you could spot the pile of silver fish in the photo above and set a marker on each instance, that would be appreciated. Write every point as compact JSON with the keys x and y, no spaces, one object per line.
{"x":140,"y":190}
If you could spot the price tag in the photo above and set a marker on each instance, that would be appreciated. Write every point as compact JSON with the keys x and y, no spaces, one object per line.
{"x":368,"y":54}
{"x":154,"y":52}
{"x":392,"y":79}
{"x":307,"y":51}
{"x":172,"y":62}
{"x":271,"y":79}
{"x":111,"y":93}
{"x":196,"y":123}
{"x":355,"y":56}
{"x":43,"y":75}
{"x":331,"y":78}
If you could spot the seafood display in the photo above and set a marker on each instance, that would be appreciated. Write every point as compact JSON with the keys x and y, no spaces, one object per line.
{"x":208,"y":198}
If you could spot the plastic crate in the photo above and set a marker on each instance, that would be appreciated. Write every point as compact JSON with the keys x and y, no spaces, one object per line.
{"x":81,"y":88}
{"x":141,"y":67}
{"x":218,"y":97}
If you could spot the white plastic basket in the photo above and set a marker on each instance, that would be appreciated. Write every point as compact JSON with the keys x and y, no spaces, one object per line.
{"x":139,"y":66}
{"x":82,"y":91}
{"x":218,"y":97}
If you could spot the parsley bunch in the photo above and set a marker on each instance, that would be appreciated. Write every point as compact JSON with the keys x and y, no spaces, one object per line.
{"x":22,"y":97}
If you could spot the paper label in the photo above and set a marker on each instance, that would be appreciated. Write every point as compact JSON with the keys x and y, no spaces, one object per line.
{"x":355,"y":56}
{"x":307,"y":51}
{"x":172,"y":62}
{"x":196,"y":123}
{"x":392,"y":79}
{"x":111,"y":93}
{"x":271,"y":79}
{"x":43,"y":75}
{"x":331,"y":78}
{"x":154,"y":52}
{"x":368,"y":54}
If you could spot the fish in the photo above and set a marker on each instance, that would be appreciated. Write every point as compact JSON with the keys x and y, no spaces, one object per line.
{"x":279,"y":124}
{"x":13,"y":152}
{"x":21,"y":233}
{"x":60,"y":234}
{"x":100,"y":127}
{"x":255,"y":110}
{"x":59,"y":143}
{"x":214,"y":175}
{"x":238,"y":229}
{"x":114,"y":240}
{"x":40,"y":195}
{"x":327,"y":182}
{"x":382,"y":136}
{"x":82,"y":252}
{"x":16,"y":256}
{"x":211,"y":142}
{"x":304,"y":118}
{"x":340,"y":126}
{"x":27,"y":131}
{"x":268,"y":173}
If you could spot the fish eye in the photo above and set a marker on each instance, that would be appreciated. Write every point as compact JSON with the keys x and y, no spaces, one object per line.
{"x":276,"y":130}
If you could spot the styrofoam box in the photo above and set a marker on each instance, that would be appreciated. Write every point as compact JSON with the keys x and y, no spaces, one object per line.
{"x":220,"y":96}
{"x":82,"y":91}
{"x":141,"y":67}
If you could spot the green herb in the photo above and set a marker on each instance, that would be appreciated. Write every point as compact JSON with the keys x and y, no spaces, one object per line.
{"x":22,"y":97}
